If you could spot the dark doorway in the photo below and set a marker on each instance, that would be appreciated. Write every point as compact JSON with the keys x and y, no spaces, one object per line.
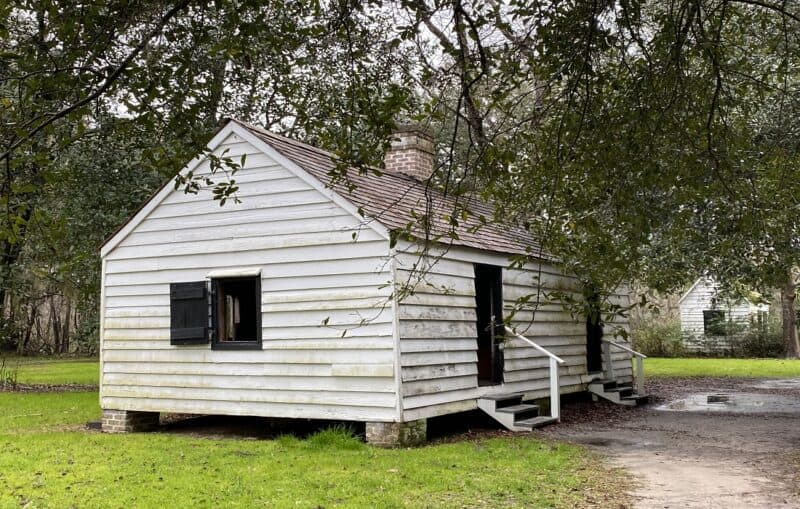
{"x":489,"y":311}
{"x":594,"y":335}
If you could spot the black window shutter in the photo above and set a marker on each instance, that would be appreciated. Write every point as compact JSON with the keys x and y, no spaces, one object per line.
{"x":188,"y":310}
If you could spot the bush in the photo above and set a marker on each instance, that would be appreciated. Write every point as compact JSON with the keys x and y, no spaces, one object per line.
{"x":658,"y":338}
{"x":8,"y":372}
{"x":86,"y":336}
{"x":759,"y":344}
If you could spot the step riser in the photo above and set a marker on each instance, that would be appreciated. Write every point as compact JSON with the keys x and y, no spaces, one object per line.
{"x":511,"y":419}
{"x":527,"y":414}
{"x":520,"y":412}
{"x":622,"y":394}
{"x":503,"y":403}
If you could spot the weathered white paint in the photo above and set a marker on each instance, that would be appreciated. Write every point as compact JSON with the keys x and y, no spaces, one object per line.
{"x":439,"y":337}
{"x":399,"y":391}
{"x":336,"y":341}
{"x":244,"y":272}
{"x":704,"y":295}
{"x":103,"y":299}
{"x":229,"y":404}
{"x":237,"y":142}
{"x":300,"y":241}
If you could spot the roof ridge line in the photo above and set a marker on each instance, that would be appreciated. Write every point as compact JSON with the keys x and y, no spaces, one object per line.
{"x":320,"y":151}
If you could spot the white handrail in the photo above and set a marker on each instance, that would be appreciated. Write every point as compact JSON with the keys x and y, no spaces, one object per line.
{"x":640,"y":357}
{"x":623,"y":347}
{"x":534,"y":345}
{"x":555,"y":386}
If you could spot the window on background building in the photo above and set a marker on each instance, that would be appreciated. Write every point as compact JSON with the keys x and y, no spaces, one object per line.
{"x":714,"y":322}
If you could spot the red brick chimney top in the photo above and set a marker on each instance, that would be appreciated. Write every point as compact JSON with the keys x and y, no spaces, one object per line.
{"x":411,"y":152}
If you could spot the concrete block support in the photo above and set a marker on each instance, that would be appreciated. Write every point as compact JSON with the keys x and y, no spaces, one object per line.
{"x":126,"y":421}
{"x":397,"y":434}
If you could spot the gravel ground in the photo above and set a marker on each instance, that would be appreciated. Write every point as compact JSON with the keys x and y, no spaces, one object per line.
{"x":697,"y":459}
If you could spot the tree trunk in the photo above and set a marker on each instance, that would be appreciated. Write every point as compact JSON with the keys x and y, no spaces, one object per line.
{"x":789,"y":316}
{"x":216,"y":88}
{"x":55,"y":326}
{"x":23,"y":344}
{"x":65,"y":332}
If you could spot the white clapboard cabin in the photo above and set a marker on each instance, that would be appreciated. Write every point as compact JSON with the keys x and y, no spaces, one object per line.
{"x":295,"y":302}
{"x":711,"y":323}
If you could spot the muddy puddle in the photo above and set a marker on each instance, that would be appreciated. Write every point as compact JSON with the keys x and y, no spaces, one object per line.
{"x":780,"y":383}
{"x":736,"y":403}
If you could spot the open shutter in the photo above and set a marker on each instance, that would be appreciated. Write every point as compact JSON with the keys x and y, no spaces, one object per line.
{"x":188,"y":310}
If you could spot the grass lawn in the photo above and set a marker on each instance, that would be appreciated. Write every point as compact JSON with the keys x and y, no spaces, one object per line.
{"x":38,"y":370}
{"x":26,"y":413}
{"x":745,"y":368}
{"x":47,"y":459}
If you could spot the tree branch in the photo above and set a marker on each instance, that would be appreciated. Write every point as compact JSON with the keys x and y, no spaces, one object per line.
{"x":110,"y":80}
{"x":772,"y":7}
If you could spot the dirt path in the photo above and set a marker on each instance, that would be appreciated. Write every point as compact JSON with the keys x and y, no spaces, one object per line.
{"x":682,"y":452}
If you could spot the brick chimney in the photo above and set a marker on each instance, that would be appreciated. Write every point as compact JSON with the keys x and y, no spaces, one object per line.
{"x":411,"y":152}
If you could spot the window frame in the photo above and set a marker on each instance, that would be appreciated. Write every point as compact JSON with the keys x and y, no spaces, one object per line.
{"x":715,"y":326}
{"x":216,"y":344}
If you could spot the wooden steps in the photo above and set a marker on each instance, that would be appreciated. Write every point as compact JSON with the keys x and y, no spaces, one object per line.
{"x":619,"y":393}
{"x":512,"y":412}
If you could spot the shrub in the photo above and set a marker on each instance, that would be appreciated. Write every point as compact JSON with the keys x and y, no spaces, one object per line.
{"x":658,"y":338}
{"x":758,"y":344}
{"x":8,"y":373}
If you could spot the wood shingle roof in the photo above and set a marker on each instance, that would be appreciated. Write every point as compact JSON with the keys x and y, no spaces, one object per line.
{"x":403,"y":203}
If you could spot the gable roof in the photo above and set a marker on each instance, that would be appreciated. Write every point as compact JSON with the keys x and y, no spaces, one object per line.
{"x":690,"y":290}
{"x":711,"y":283}
{"x":393,"y":200}
{"x":398,"y":201}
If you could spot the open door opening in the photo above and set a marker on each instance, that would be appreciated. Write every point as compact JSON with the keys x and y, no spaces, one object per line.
{"x":489,"y":311}
{"x":594,"y":336}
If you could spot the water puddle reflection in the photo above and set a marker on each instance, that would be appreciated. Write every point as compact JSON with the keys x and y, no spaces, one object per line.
{"x":739,"y":403}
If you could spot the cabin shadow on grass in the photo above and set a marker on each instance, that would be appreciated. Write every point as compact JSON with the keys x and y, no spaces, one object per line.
{"x":447,"y":428}
{"x":253,"y":428}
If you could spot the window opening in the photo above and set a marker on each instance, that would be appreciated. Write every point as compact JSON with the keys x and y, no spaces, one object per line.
{"x":237,"y":311}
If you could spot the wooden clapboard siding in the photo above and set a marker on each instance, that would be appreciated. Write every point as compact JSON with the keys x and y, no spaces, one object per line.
{"x":549,"y":325}
{"x":703,"y":295}
{"x":337,"y":344}
{"x":438,"y":336}
{"x":622,"y":361}
{"x":438,"y":344}
{"x":230,"y":405}
{"x":264,"y":369}
{"x":326,"y":308}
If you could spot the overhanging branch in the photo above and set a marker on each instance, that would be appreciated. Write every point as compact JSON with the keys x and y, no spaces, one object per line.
{"x":109,"y":81}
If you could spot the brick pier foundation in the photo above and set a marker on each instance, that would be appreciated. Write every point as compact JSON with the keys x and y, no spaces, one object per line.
{"x":126,"y":421}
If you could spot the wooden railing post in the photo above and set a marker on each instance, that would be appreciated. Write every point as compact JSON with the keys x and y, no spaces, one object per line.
{"x":639,"y":375}
{"x":555,"y":390}
{"x":555,"y":386}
